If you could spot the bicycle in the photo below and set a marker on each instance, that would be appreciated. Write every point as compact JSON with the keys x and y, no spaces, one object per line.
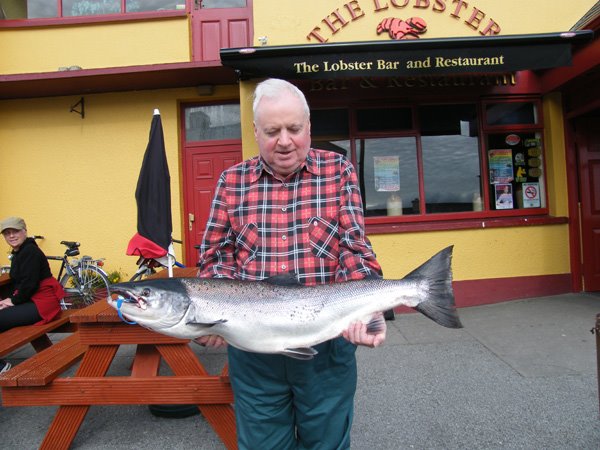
{"x":148,"y":266}
{"x":83,"y":279}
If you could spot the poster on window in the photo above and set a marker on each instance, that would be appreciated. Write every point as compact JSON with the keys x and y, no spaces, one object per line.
{"x":387,"y":173}
{"x":504,"y":197}
{"x":501,"y":166}
{"x":531,"y":195}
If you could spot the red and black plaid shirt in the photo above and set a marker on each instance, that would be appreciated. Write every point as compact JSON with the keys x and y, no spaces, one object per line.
{"x":311,"y":224}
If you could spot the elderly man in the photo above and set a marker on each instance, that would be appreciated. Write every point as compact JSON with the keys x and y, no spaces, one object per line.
{"x":296,"y":210}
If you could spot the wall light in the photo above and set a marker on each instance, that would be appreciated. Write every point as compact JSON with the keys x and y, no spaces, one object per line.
{"x":81,"y":104}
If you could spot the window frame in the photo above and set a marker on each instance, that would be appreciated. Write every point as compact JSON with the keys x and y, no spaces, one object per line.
{"x":488,"y":217}
{"x":74,"y":20}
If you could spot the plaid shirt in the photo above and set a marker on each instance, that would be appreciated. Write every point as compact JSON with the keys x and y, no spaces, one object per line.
{"x":310,"y":224}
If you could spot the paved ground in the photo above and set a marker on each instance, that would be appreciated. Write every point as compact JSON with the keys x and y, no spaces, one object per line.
{"x":520,"y":375}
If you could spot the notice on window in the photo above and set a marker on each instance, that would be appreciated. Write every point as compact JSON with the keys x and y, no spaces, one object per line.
{"x":504,"y":198}
{"x":501,"y":166}
{"x":531,"y":195}
{"x":387,"y":173}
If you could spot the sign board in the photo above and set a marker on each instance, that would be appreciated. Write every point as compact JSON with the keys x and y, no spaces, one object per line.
{"x":531,"y":195}
{"x":403,"y":58}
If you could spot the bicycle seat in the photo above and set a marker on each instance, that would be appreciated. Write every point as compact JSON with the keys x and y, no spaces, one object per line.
{"x":70,"y":244}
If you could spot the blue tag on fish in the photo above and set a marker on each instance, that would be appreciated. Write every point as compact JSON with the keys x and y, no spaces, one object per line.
{"x":119,"y":303}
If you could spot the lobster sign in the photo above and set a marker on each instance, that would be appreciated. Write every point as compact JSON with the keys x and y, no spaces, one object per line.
{"x":402,"y":29}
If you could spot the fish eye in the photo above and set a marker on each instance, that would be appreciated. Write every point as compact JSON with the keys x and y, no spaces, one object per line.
{"x":145,"y":292}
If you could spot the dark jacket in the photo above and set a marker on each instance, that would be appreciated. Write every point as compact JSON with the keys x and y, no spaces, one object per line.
{"x":28,"y":267}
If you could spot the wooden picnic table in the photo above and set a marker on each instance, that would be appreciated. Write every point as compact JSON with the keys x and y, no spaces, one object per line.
{"x":100,"y":333}
{"x":4,"y":279}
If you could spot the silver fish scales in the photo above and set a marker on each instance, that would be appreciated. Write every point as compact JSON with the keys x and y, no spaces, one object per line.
{"x":278,"y":315}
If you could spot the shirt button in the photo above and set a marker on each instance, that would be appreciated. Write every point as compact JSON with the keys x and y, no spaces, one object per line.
{"x":315,"y":223}
{"x":284,"y":237}
{"x":284,"y":209}
{"x":283,"y":267}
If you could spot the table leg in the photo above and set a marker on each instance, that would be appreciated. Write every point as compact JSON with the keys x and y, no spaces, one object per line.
{"x":41,"y":343}
{"x":146,"y":362}
{"x":220,"y":417}
{"x":68,"y":419}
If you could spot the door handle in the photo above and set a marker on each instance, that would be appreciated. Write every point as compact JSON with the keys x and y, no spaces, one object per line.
{"x":191,"y":220}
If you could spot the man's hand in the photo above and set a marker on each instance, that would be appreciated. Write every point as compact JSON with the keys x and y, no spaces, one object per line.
{"x":212,"y":340}
{"x":357,"y":334}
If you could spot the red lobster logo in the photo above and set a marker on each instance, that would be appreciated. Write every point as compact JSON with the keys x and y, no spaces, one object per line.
{"x":402,"y":29}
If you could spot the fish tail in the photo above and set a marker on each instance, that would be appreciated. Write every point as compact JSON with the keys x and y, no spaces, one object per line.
{"x":439,"y":305}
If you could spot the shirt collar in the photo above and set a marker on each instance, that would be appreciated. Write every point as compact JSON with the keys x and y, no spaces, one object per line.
{"x":259,"y":166}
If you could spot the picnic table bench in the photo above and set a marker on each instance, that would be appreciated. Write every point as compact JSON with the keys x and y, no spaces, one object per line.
{"x":38,"y":381}
{"x":36,"y":335}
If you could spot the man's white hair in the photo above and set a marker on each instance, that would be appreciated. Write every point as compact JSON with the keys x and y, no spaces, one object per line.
{"x":273,"y":88}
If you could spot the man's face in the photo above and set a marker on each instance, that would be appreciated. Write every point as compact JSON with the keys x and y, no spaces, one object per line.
{"x":282,"y":130}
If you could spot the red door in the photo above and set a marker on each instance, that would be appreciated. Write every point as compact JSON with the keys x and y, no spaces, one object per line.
{"x":588,"y":148}
{"x":203,"y":165}
{"x":215,"y":27}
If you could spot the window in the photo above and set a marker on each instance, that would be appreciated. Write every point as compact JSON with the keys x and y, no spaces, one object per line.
{"x":515,"y":162}
{"x":212,"y":122}
{"x":37,"y":9}
{"x":450,"y":149}
{"x":210,"y":4}
{"x":512,"y":113}
{"x":441,"y":160}
{"x":387,"y":174}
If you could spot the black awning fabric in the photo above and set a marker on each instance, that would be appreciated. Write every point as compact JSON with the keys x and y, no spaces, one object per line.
{"x":491,"y":54}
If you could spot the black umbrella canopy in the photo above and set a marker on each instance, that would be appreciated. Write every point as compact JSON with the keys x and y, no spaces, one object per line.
{"x":153,"y":192}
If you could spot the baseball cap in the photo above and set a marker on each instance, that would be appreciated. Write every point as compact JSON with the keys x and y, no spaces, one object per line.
{"x":12,"y":222}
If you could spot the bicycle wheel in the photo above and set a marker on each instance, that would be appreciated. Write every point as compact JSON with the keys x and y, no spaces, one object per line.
{"x":84,"y":286}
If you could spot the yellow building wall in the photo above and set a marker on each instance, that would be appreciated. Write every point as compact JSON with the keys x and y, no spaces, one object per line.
{"x":556,"y":162}
{"x":92,"y":46}
{"x":479,"y":254}
{"x":75,"y":179}
{"x":444,"y":17}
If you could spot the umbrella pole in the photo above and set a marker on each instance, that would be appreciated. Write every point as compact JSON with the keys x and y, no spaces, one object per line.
{"x":170,"y":266}
{"x":170,"y":259}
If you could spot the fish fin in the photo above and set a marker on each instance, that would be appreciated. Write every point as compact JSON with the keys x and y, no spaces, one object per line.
{"x":376,"y":324}
{"x":439,"y":305}
{"x":206,"y":324}
{"x":288,"y":279}
{"x":303,"y":353}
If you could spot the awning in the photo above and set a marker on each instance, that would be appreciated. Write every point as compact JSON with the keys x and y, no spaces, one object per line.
{"x":115,"y":79}
{"x":490,"y":54}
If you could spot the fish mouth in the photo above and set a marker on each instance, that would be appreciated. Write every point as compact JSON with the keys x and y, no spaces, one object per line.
{"x":126,"y":296}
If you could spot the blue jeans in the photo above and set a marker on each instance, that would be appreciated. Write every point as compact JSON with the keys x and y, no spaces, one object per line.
{"x":283,"y":403}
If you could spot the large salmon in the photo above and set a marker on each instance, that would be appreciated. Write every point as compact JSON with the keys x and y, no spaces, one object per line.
{"x":279,"y":315}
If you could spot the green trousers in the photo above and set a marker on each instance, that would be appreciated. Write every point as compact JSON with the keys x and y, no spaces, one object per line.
{"x":283,"y":403}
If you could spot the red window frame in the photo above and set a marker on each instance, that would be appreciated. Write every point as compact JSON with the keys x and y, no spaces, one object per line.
{"x":72,"y":20}
{"x":487,"y":218}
